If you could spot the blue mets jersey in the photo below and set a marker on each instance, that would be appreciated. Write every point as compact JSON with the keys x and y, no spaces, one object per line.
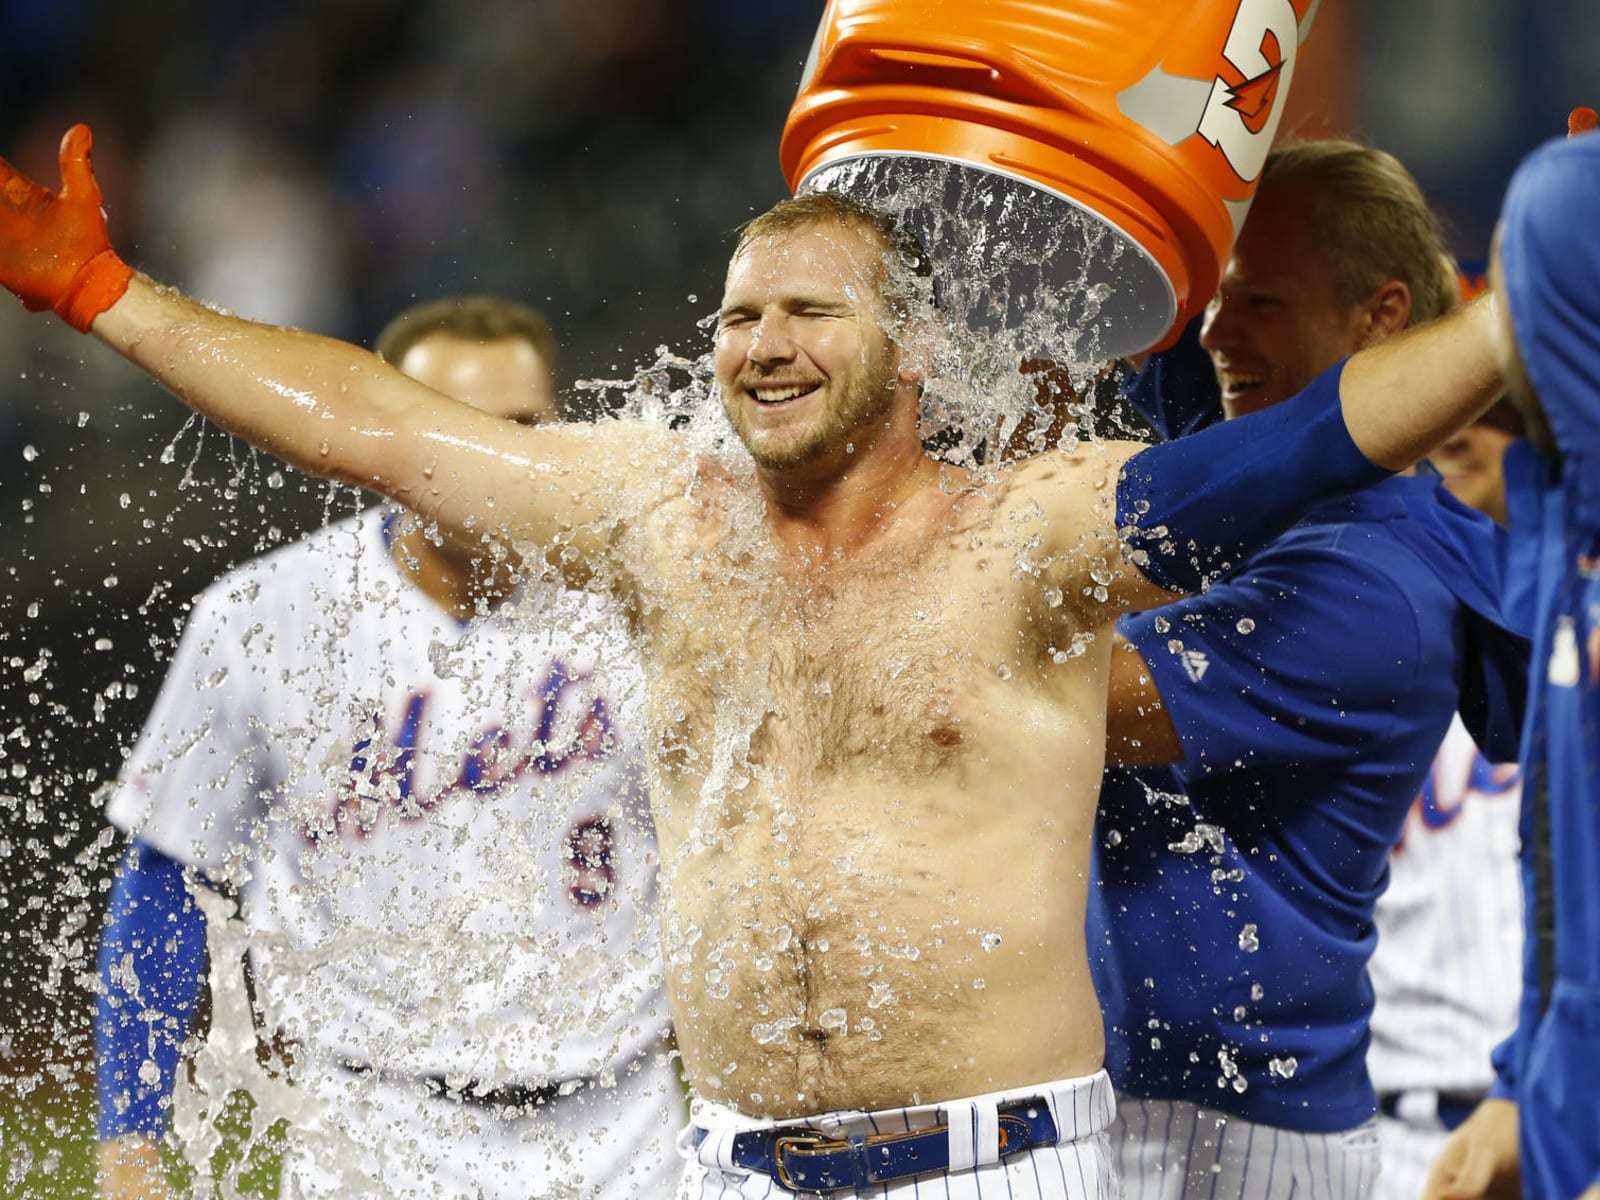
{"x":1231,"y":920}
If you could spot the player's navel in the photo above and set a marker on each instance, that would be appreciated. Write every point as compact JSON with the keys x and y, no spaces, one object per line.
{"x":945,"y":736}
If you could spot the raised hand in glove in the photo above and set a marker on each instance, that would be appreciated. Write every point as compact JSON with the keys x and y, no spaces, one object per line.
{"x":1582,"y":120}
{"x":54,"y":250}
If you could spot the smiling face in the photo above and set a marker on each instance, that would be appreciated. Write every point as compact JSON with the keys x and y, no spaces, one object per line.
{"x":806,"y":369}
{"x":1276,"y":322}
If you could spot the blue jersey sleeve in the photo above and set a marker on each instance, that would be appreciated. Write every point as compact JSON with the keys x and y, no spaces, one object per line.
{"x":1176,"y":389}
{"x":1505,"y":1075}
{"x":152,"y":968}
{"x":1190,"y":509}
{"x":1303,"y":654}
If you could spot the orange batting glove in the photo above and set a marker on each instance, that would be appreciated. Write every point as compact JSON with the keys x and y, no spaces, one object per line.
{"x":1582,"y":120}
{"x":54,"y":250}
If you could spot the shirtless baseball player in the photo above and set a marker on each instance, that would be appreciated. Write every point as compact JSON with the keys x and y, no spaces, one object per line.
{"x":877,"y":683}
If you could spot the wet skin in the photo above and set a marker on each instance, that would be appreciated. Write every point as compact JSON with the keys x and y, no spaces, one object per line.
{"x":883,"y":879}
{"x":869,"y":766}
{"x":861,"y":735}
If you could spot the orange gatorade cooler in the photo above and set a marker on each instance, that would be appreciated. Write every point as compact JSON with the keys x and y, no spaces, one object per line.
{"x":1142,"y":123}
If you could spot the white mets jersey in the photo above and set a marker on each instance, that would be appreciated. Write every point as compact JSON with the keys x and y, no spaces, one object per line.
{"x":439,"y":829}
{"x":1448,"y":969}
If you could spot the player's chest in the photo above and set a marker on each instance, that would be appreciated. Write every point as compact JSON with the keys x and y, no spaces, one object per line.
{"x":875,"y":662}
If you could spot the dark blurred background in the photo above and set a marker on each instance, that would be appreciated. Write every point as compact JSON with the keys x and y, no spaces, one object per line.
{"x":323,"y":164}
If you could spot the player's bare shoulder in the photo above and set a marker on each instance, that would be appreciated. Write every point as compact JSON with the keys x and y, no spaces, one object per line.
{"x":1062,"y":507}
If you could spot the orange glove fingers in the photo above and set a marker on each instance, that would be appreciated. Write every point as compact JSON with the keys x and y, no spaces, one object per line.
{"x":1582,"y":120}
{"x":54,"y":249}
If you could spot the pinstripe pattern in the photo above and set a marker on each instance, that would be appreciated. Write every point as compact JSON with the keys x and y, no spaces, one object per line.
{"x":1407,"y":1149}
{"x":1174,"y":1150}
{"x":1079,"y":1168}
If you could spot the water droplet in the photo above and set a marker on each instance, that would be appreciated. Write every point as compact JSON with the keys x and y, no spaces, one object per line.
{"x":989,"y":941}
{"x":773,"y":1031}
{"x":1284,"y":1068}
{"x":1246,"y":625}
{"x":1248,"y":941}
{"x":30,"y":453}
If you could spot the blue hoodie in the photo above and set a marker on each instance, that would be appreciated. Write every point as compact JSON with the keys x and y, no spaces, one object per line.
{"x":1550,"y":263}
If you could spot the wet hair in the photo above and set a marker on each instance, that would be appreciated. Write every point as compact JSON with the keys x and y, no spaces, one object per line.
{"x":907,"y":271}
{"x":474,"y":318}
{"x":1372,"y":222}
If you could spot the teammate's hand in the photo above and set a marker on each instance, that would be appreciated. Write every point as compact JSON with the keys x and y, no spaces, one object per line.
{"x":54,"y":250}
{"x":129,"y":1168}
{"x":1479,"y":1162}
{"x":1582,"y":120}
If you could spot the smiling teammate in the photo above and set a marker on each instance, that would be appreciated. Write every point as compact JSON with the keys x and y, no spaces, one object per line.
{"x":1302,"y":699}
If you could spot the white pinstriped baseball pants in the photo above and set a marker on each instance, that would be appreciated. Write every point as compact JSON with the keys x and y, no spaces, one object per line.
{"x":1076,"y":1168}
{"x":1174,"y":1150}
{"x":1407,"y":1149}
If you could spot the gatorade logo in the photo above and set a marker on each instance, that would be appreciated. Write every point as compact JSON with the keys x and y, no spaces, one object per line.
{"x":1241,"y":115}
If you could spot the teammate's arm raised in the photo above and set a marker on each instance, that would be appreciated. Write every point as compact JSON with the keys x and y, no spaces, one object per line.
{"x":1189,"y":508}
{"x":327,"y":407}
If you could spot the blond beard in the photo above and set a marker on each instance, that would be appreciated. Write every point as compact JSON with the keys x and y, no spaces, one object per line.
{"x":864,"y":404}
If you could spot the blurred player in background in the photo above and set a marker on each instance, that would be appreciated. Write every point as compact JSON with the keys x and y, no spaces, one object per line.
{"x":1303,"y":698}
{"x":428,"y":796}
{"x":1448,"y":967}
{"x":1538,"y":1134}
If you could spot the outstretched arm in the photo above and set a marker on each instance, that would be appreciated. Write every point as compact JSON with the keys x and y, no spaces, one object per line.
{"x":1184,"y":511}
{"x":326,"y":407}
